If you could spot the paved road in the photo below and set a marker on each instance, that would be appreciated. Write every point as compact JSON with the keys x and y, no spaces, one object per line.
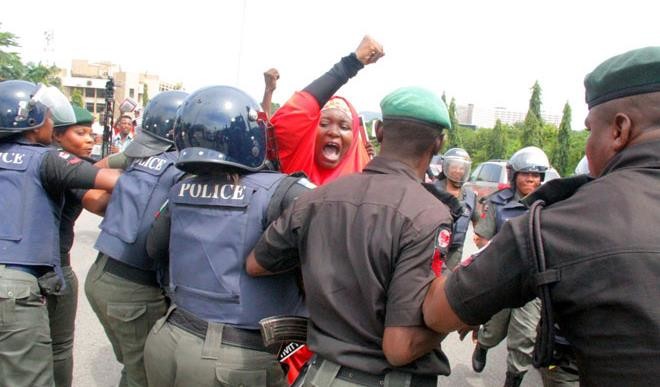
{"x":95,"y":364}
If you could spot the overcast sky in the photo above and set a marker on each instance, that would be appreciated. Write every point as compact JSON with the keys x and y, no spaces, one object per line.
{"x":484,"y":52}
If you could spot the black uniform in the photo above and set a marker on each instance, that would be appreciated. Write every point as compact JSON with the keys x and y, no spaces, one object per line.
{"x":603,"y":244}
{"x":370,"y":275}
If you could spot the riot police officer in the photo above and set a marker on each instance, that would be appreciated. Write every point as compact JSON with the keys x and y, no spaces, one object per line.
{"x":526,"y":171}
{"x":33,"y":179}
{"x":456,"y":165}
{"x":122,"y":285}
{"x":213,"y":219}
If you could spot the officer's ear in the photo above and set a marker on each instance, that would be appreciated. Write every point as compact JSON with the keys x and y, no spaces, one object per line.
{"x":378,"y":128}
{"x":621,"y":128}
{"x":439,"y":142}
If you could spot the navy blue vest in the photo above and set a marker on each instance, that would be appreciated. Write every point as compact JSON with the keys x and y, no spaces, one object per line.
{"x":506,"y":207}
{"x":136,"y":198}
{"x":29,"y":229}
{"x":469,"y":202}
{"x":215,"y":225}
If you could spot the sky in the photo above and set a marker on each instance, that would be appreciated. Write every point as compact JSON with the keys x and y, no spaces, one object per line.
{"x":488,"y":53}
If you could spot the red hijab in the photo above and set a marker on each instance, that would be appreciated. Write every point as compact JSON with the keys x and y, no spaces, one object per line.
{"x":296,"y":126}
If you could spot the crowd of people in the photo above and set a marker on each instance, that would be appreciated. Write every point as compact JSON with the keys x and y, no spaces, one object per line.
{"x":218,"y":217}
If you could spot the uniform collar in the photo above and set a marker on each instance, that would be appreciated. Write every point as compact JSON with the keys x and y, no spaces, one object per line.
{"x":381,"y":164}
{"x":645,"y":154}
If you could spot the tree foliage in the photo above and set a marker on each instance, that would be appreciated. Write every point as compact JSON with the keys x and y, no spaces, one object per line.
{"x":12,"y":67}
{"x":455,"y":140}
{"x":560,"y":156}
{"x":145,"y":95}
{"x":497,"y":144}
{"x":535,"y":102}
{"x":77,"y":97}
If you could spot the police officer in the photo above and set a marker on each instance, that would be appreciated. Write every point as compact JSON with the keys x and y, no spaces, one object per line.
{"x":526,"y":171}
{"x":365,"y":244}
{"x":75,"y":138}
{"x":213,"y":218}
{"x":592,"y":253}
{"x":33,"y":179}
{"x":456,"y":165}
{"x":122,"y":285}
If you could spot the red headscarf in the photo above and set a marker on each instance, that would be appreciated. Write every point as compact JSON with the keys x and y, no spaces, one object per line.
{"x":296,"y":124}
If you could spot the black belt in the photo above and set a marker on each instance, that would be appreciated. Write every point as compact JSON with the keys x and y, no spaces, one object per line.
{"x":372,"y":380}
{"x":130,"y":273}
{"x":36,"y":271}
{"x":236,"y":337}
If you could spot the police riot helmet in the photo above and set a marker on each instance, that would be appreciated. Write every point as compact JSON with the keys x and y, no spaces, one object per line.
{"x":156,"y":131}
{"x":456,"y":164}
{"x":25,"y":105}
{"x":529,"y":159}
{"x":219,"y":127}
{"x":582,"y":168}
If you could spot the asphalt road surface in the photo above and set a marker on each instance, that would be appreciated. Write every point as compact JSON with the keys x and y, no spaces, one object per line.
{"x":95,"y":363}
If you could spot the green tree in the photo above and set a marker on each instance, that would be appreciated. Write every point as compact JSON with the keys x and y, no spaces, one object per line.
{"x":39,"y":73}
{"x":273,"y":107}
{"x":77,"y":98}
{"x":497,"y":144}
{"x":560,"y":157}
{"x":532,"y":134}
{"x":535,"y":101}
{"x":11,"y":66}
{"x":532,"y":131}
{"x":145,"y":95}
{"x":455,"y":140}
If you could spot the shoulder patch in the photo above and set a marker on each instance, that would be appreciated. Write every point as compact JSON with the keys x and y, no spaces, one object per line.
{"x":69,"y":157}
{"x":306,"y":183}
{"x":441,"y":250}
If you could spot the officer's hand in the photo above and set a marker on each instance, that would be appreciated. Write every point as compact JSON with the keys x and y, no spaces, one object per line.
{"x":270,"y":78}
{"x":467,"y":329}
{"x":369,"y":50}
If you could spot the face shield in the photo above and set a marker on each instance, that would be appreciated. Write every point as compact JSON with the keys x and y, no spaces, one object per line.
{"x":456,"y":169}
{"x":60,"y":107}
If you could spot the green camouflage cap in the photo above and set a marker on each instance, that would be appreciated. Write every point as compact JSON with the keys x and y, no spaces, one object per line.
{"x":631,"y":73}
{"x":82,"y":116}
{"x":415,"y":103}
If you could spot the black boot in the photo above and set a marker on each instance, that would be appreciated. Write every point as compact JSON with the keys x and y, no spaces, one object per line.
{"x":513,"y":380}
{"x":479,"y":358}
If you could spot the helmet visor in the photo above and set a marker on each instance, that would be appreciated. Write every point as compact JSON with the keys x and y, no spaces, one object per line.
{"x":60,"y":107}
{"x":456,"y":169}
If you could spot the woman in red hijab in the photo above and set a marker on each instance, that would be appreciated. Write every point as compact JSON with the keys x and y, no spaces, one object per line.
{"x":318,"y":133}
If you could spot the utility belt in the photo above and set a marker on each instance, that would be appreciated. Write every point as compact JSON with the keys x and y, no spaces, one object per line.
{"x":325,"y":371}
{"x":130,"y":273}
{"x":237,"y":337}
{"x":50,"y":283}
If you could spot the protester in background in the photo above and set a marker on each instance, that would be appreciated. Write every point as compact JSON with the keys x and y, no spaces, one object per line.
{"x":125,"y":135}
{"x":320,"y":134}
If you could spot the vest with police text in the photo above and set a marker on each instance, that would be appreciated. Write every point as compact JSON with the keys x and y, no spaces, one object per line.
{"x":29,"y":230}
{"x":138,"y":195}
{"x":506,"y":207}
{"x":461,"y":224}
{"x":215,"y":223}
